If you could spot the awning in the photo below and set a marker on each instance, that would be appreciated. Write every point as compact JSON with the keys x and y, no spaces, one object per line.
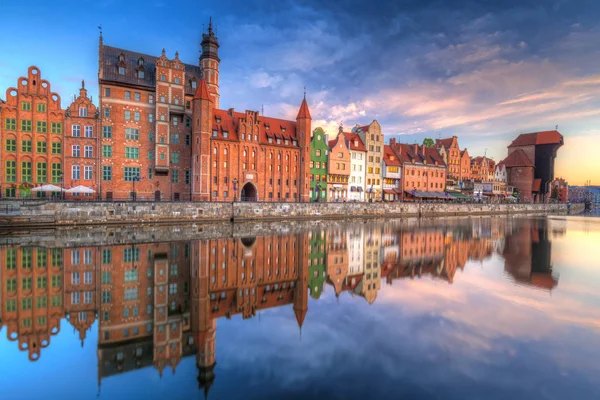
{"x":459,"y":195}
{"x":81,"y":189}
{"x":389,"y":191}
{"x":47,"y":188}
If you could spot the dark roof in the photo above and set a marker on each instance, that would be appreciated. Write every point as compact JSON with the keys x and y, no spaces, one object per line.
{"x":352,"y":138}
{"x":110,"y":72}
{"x":446,"y":143}
{"x":535,"y":138}
{"x":517,"y":158}
{"x":406,"y":153}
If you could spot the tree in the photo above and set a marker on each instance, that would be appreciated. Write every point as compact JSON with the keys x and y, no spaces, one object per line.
{"x":555,"y":194}
{"x":428,"y":142}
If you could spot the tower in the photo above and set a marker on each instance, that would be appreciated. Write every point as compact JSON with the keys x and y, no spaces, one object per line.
{"x":209,"y":62}
{"x":303,"y":130}
{"x":202,"y":110}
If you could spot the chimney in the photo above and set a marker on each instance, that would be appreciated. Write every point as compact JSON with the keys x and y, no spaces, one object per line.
{"x":416,"y":148}
{"x":423,"y":150}
{"x":392,"y":141}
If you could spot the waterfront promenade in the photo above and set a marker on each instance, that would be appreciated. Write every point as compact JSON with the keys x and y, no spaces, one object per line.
{"x":45,"y":214}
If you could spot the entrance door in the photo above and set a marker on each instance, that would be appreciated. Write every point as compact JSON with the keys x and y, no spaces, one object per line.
{"x":157,"y":195}
{"x":249,"y":193}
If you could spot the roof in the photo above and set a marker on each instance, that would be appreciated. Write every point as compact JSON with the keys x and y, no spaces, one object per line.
{"x":517,"y":158}
{"x":202,"y":91}
{"x":537,"y":138}
{"x":389,"y":157}
{"x":406,"y":153}
{"x":537,"y":184}
{"x":304,"y":111}
{"x":353,"y":138}
{"x":230,"y":121}
{"x":110,"y":59}
{"x":446,"y":143}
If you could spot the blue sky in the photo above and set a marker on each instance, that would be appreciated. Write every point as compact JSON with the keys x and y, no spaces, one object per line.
{"x":484,"y":71}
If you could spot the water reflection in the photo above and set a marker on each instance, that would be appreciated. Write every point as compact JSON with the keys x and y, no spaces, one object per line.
{"x":156,"y":303}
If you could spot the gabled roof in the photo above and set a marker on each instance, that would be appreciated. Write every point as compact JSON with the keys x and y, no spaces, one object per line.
{"x":389,"y":157}
{"x":536,"y":138}
{"x":354,"y":138}
{"x":446,"y":143}
{"x":304,"y":111}
{"x":110,"y":59}
{"x":517,"y":158}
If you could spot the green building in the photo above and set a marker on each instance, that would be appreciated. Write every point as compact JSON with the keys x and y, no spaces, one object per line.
{"x":319,"y":155}
{"x":317,"y":270}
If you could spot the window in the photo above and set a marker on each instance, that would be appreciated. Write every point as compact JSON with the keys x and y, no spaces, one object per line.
{"x":163,"y":78}
{"x":41,"y":107}
{"x":26,"y":146}
{"x":11,"y":145}
{"x":106,"y":92}
{"x":87,"y":172}
{"x":26,"y":304}
{"x":75,"y":172}
{"x":41,"y":302}
{"x":87,"y":298}
{"x":106,"y":297}
{"x":131,"y":174}
{"x":76,"y":150}
{"x":88,"y":152}
{"x":41,"y":127}
{"x":10,"y":124}
{"x":41,"y":147}
{"x":141,"y":75}
{"x":163,"y":99}
{"x":188,"y":139}
{"x":57,"y":127}
{"x":106,"y":278}
{"x":26,"y":125}
{"x":177,"y":81}
{"x":175,"y":157}
{"x":150,"y":99}
{"x":107,"y":151}
{"x":137,"y":96}
{"x":89,"y":131}
{"x":76,"y":131}
{"x":132,"y":134}
{"x":56,"y":172}
{"x":136,"y":116}
{"x":187,"y":177}
{"x":26,"y":171}
{"x":131,"y":294}
{"x":121,"y":70}
{"x":107,"y":173}
{"x":127,"y":115}
{"x":106,"y":256}
{"x":175,"y":138}
{"x":175,"y":176}
{"x":83,"y":111}
{"x":107,"y":132}
{"x":26,"y":106}
{"x":132,"y":152}
{"x":150,"y":117}
{"x":175,"y":121}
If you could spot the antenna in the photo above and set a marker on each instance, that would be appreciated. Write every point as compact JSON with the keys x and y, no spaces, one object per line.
{"x":556,"y":127}
{"x":485,"y":153}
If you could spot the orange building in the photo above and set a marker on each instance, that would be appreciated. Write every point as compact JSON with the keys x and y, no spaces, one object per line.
{"x":82,"y":154}
{"x":32,"y":136}
{"x":337,"y":258}
{"x":423,"y":170}
{"x":338,"y":168}
{"x":457,"y":160}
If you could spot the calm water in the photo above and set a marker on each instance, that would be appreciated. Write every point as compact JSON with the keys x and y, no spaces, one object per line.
{"x":486,"y":308}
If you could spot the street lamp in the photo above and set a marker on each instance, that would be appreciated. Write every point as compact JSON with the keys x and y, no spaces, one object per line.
{"x":235,"y":182}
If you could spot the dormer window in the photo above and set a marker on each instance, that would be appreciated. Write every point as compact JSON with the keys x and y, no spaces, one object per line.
{"x":121,"y":57}
{"x":287,"y":142}
{"x":294,"y":143}
{"x":215,"y":133}
{"x":270,"y":140}
{"x":140,"y":62}
{"x":193,"y":84}
{"x":121,"y":70}
{"x":282,"y":129}
{"x":225,"y":134}
{"x":356,"y":143}
{"x":141,"y":74}
{"x":278,"y":141}
{"x":218,"y":120}
{"x":267,"y":127}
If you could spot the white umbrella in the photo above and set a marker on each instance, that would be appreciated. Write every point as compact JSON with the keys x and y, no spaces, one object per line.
{"x":47,"y":188}
{"x":81,"y":189}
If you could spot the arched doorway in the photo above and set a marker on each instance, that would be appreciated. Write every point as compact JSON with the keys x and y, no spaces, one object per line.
{"x":249,"y":192}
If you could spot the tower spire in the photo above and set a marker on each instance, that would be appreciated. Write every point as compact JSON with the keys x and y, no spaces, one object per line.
{"x":210,"y":29}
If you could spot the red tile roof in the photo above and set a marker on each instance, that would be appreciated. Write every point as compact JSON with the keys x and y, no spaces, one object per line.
{"x":202,"y":91}
{"x":354,"y":138}
{"x":303,"y":112}
{"x":535,"y":138}
{"x":517,"y":158}
{"x":230,"y":122}
{"x":389,"y":157}
{"x":406,"y":153}
{"x":444,"y":142}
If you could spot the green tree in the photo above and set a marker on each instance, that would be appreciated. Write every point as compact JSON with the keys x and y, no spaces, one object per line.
{"x":428,"y":142}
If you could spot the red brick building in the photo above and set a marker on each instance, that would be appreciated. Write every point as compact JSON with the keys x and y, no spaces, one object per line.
{"x":457,"y":160}
{"x":32,"y":136}
{"x":81,"y":152}
{"x":171,"y":140}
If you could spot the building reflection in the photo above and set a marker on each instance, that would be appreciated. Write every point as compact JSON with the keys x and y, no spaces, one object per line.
{"x":156,"y":303}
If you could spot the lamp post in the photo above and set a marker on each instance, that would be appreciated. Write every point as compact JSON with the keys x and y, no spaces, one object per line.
{"x":133,"y":181}
{"x":235,"y":182}
{"x":171,"y":173}
{"x":62,"y":185}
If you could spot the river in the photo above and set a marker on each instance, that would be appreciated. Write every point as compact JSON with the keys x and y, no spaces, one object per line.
{"x":462,"y":308}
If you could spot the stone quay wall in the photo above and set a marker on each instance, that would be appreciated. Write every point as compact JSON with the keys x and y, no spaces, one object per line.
{"x":48,"y":214}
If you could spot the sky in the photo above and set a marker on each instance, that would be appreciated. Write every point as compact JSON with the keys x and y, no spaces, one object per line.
{"x":484,"y":71}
